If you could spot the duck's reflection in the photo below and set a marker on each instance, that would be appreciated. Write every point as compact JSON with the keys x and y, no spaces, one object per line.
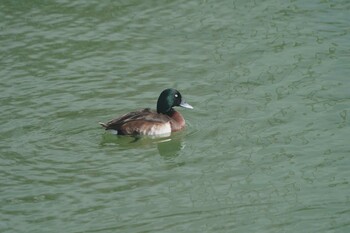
{"x":168,"y":147}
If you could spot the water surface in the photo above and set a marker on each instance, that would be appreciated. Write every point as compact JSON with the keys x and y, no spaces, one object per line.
{"x":266,"y":146}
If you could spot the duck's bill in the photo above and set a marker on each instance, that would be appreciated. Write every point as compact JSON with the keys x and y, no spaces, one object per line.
{"x":186,"y":105}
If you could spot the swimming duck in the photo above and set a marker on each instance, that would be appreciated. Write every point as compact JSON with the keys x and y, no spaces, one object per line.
{"x":149,"y":122}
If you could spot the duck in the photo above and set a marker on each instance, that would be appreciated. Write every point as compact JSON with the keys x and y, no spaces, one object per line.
{"x":148,"y":122}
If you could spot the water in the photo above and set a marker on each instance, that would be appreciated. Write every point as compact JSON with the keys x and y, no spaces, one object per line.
{"x":266,"y":147}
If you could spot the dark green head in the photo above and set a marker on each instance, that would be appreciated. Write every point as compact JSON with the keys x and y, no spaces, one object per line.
{"x":170,"y":98}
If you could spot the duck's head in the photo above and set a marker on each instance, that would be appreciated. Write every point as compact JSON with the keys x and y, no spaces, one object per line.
{"x":170,"y":98}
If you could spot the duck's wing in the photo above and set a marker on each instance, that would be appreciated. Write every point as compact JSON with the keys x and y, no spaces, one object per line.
{"x":138,"y":122}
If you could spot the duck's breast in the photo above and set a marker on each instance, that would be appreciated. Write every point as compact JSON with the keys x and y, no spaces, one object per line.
{"x":177,"y":121}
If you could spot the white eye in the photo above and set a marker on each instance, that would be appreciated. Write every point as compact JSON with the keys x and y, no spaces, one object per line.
{"x":176,"y":95}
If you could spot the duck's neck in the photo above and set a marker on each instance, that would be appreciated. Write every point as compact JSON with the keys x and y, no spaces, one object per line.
{"x":178,"y":122}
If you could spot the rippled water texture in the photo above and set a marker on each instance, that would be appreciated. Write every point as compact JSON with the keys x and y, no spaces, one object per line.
{"x":266,"y":148}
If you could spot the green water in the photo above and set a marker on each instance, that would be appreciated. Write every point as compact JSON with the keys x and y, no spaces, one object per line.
{"x":266,"y":148}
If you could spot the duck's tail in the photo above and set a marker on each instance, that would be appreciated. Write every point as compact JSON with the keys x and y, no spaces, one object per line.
{"x":103,"y":124}
{"x":112,"y":131}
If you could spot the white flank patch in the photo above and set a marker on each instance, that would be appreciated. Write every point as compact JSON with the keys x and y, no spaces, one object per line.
{"x":160,"y":130}
{"x":113,"y":131}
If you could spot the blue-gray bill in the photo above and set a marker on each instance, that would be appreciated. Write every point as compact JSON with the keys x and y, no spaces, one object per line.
{"x":185,"y":105}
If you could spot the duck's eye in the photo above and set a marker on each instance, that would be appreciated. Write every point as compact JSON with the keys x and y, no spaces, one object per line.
{"x":176,"y":95}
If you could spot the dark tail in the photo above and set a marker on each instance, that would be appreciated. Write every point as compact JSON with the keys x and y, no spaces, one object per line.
{"x":103,"y":124}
